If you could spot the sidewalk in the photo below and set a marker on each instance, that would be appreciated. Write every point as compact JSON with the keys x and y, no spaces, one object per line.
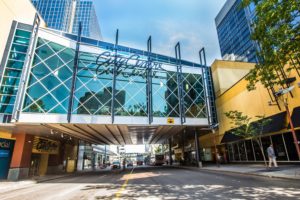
{"x":283,"y":171}
{"x":6,"y":185}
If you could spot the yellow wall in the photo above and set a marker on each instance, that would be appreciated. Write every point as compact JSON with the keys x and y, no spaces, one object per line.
{"x":227,"y":73}
{"x":6,"y":135}
{"x":251,"y":103}
{"x":19,"y":10}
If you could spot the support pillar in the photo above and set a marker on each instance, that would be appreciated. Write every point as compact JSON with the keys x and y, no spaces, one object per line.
{"x":43,"y":164}
{"x":80,"y":159}
{"x":198,"y":155}
{"x":20,"y":162}
{"x":170,"y":151}
{"x":183,"y":143}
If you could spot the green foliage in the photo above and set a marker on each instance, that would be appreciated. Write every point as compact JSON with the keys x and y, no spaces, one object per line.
{"x":243,"y":127}
{"x":161,"y":148}
{"x":276,"y":29}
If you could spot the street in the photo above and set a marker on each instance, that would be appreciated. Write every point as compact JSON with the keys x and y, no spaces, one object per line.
{"x":158,"y":183}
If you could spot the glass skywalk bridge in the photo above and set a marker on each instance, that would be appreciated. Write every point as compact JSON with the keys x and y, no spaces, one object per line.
{"x":99,"y":91}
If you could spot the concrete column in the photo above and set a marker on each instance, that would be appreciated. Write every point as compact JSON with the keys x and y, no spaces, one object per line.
{"x":80,"y":160}
{"x":20,"y":162}
{"x":183,"y":143}
{"x":198,"y":155}
{"x":43,"y":164}
{"x":170,"y":151}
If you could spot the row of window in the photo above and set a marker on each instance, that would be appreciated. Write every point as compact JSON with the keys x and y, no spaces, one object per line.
{"x":249,"y":150}
{"x":12,"y":71}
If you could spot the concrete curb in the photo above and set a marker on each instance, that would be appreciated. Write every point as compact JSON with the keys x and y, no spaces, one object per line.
{"x":240,"y":173}
{"x":54,"y":178}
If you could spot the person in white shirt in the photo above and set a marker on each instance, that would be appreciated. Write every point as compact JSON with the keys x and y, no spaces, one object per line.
{"x":272,"y":156}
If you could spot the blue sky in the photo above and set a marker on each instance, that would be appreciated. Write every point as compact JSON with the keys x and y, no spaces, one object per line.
{"x":189,"y":21}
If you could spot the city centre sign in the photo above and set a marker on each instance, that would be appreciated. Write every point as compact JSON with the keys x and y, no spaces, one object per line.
{"x":135,"y":63}
{"x":43,"y":145}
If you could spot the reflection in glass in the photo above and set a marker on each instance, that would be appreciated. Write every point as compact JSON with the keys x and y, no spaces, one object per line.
{"x":131,"y":96}
{"x":93,"y":93}
{"x":164,"y":94}
{"x":193,"y":96}
{"x":50,"y":79}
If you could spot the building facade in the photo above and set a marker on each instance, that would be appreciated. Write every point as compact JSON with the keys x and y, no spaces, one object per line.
{"x":65,"y":15}
{"x":233,"y":25}
{"x":235,"y":96}
{"x":58,"y":88}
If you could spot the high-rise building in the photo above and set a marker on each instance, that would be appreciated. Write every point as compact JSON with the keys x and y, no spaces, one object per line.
{"x":65,"y":15}
{"x":234,"y":31}
{"x":85,"y":13}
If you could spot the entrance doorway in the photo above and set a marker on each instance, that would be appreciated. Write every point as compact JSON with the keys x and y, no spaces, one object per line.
{"x":35,"y":164}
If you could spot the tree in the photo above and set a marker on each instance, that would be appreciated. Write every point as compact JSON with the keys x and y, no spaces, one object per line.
{"x":161,"y":148}
{"x":245,"y":128}
{"x":276,"y":29}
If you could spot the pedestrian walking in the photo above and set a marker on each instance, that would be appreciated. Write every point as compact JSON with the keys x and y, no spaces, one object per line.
{"x":271,"y":155}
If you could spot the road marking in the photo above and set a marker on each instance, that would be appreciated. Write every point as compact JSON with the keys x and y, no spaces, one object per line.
{"x":119,"y":193}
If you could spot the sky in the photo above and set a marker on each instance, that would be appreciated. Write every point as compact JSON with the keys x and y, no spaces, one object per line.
{"x":190,"y":22}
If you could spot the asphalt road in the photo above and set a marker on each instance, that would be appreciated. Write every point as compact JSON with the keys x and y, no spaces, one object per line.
{"x":158,"y":183}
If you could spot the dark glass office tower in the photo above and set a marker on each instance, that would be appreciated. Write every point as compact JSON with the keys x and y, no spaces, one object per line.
{"x":234,"y":29}
{"x":65,"y":15}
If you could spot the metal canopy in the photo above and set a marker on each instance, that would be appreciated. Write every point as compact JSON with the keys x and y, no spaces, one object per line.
{"x":101,"y":134}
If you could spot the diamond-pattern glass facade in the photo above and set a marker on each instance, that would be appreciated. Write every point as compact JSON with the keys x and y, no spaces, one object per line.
{"x":165,"y":94}
{"x":194,"y":101}
{"x":48,"y":89}
{"x":49,"y":84}
{"x":93,"y":91}
{"x":131,"y":95}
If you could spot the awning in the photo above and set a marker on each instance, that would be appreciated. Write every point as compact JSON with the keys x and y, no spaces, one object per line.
{"x":229,"y":137}
{"x":277,"y":123}
{"x":295,"y":117}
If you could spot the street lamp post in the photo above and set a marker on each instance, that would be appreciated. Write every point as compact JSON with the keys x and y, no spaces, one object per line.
{"x":279,"y":94}
{"x":292,"y":127}
{"x":213,"y":129}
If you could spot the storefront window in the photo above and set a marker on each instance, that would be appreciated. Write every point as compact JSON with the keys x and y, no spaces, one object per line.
{"x":236,"y":152}
{"x":230,"y":152}
{"x":249,"y":150}
{"x":266,"y":143}
{"x":257,"y":151}
{"x":291,"y":147}
{"x":242,"y":151}
{"x":279,"y":147}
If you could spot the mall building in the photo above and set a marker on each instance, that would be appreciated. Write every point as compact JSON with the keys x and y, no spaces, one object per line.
{"x":58,"y":89}
{"x":232,"y":94}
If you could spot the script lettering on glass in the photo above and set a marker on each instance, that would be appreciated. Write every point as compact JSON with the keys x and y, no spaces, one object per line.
{"x":135,"y":63}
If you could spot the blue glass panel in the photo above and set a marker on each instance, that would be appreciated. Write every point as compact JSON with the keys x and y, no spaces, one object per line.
{"x":15,"y":64}
{"x":22,"y":41}
{"x":19,"y":48}
{"x":17,"y":56}
{"x":7,"y":99}
{"x":23,"y":33}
